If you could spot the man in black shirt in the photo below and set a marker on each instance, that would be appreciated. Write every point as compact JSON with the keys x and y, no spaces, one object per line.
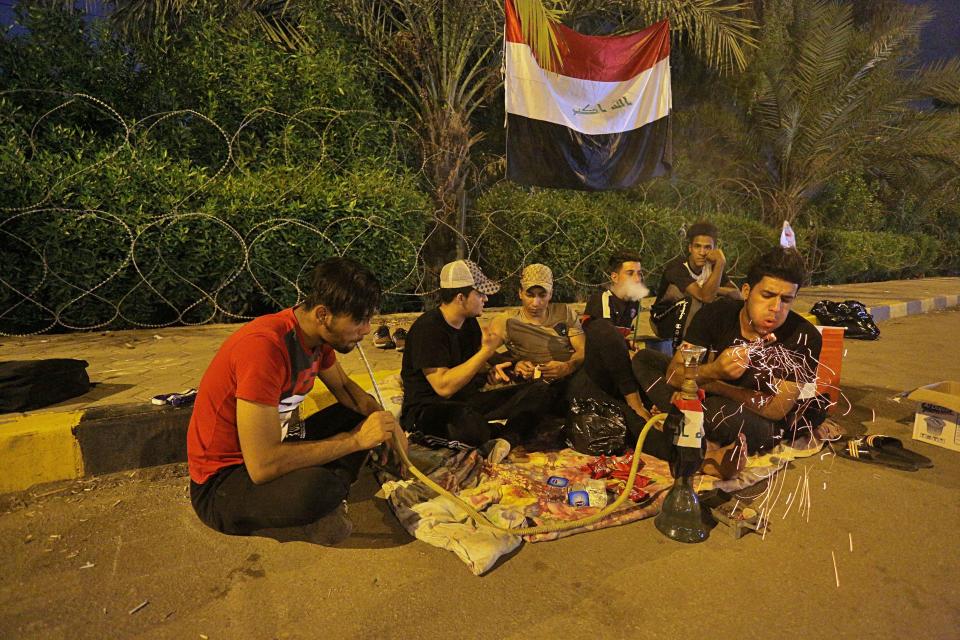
{"x":760,"y":373}
{"x":610,"y":317}
{"x":690,"y":282}
{"x":619,"y":302}
{"x":447,"y":362}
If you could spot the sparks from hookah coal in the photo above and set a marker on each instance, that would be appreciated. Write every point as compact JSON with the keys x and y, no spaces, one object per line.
{"x":774,"y":363}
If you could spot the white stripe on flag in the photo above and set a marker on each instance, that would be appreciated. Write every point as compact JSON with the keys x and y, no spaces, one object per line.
{"x":588,"y":106}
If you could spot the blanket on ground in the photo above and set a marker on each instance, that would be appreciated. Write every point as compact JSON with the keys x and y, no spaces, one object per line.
{"x":511,"y":490}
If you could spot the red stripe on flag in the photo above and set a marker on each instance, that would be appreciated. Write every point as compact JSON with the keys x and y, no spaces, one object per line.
{"x":601,"y":58}
{"x":512,"y":27}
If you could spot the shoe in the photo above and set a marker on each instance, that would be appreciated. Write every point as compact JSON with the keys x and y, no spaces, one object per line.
{"x":331,"y":529}
{"x":186,"y":396}
{"x":858,"y":449}
{"x":893,"y":447}
{"x":382,"y":339}
{"x":400,"y":338}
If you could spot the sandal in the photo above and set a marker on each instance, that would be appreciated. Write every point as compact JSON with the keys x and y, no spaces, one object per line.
{"x":858,"y":449}
{"x":893,"y":447}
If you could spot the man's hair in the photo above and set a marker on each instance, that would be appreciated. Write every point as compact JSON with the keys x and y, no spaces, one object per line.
{"x":447,"y":295}
{"x":703,"y":228}
{"x":344,"y":286}
{"x":784,"y":264}
{"x":619,"y":257}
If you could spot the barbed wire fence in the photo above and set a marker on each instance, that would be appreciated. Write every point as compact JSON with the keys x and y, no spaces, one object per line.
{"x":141,"y":262}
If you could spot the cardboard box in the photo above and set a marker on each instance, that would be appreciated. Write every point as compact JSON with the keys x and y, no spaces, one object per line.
{"x":831,"y":361}
{"x":937,"y":420}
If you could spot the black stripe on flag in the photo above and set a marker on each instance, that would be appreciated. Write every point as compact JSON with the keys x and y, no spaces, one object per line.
{"x":545,"y":154}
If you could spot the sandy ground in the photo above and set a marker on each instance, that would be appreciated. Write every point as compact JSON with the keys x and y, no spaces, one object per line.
{"x":78,"y":558}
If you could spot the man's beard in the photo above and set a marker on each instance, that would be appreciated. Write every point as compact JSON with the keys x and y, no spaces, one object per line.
{"x":339,"y":347}
{"x":344,"y":348}
{"x":631,"y":291}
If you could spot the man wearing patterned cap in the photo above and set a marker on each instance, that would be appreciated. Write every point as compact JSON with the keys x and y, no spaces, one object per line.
{"x":543,"y":337}
{"x":449,"y":359}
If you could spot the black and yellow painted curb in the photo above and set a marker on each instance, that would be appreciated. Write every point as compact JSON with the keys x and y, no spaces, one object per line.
{"x":65,"y":445}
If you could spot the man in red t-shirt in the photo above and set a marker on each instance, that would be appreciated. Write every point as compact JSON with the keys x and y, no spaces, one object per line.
{"x":255,"y":468}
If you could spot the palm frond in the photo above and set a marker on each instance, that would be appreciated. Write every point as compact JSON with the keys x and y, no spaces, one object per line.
{"x":719,"y":31}
{"x":824,"y":50}
{"x":939,"y":81}
{"x":536,"y":24}
{"x":277,"y":23}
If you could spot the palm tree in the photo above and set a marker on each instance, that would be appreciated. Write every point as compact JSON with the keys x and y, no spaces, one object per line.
{"x":828,"y":95}
{"x":441,"y":56}
{"x":441,"y":59}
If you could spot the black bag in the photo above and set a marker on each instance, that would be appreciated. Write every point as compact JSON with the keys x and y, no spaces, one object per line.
{"x":32,"y":384}
{"x":595,"y":427}
{"x":851,"y":315}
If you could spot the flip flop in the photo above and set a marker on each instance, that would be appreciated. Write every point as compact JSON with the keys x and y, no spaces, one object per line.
{"x":860,"y":451}
{"x":176,"y":399}
{"x":893,"y":446}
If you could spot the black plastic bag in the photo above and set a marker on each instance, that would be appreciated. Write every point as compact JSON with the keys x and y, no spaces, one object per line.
{"x":851,"y":315}
{"x":595,"y":427}
{"x":32,"y":384}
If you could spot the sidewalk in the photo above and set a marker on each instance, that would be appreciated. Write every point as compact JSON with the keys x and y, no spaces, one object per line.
{"x":114,"y":427}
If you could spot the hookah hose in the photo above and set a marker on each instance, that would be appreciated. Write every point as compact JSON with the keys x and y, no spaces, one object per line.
{"x":481,"y":519}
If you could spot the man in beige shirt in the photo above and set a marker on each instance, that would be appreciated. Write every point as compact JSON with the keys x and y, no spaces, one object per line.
{"x":544,"y":338}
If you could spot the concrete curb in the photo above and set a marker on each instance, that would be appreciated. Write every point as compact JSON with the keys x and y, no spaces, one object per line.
{"x":912,"y":307}
{"x":72,"y":444}
{"x":66,"y":445}
{"x":48,"y":447}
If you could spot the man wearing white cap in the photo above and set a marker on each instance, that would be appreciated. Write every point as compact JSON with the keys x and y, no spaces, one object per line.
{"x":448,"y":360}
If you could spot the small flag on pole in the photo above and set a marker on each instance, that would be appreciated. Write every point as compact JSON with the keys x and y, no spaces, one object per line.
{"x":599,"y":120}
{"x":787,"y":239}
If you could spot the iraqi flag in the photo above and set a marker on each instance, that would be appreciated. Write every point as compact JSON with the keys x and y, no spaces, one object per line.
{"x":600,"y":121}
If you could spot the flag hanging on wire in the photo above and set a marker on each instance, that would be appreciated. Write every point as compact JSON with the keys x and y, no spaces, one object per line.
{"x":600,"y":120}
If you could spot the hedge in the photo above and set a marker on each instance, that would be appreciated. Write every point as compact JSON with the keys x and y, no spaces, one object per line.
{"x":117,"y":251}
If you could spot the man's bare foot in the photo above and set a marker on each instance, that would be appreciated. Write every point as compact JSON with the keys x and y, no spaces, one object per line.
{"x":725,"y":462}
{"x":828,"y":431}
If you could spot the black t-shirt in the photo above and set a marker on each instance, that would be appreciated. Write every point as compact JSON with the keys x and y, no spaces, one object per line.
{"x":604,"y":304}
{"x":793,"y":356}
{"x":431,"y":344}
{"x":677,"y":273}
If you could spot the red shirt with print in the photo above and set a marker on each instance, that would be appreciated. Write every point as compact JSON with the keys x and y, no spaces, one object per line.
{"x":266,"y":362}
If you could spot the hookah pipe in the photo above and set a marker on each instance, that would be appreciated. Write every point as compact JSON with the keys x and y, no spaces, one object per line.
{"x":681,"y":518}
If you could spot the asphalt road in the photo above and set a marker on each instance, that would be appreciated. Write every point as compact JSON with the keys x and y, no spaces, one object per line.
{"x":80,"y":561}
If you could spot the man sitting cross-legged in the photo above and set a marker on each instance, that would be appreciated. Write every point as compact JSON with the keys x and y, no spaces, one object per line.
{"x":543,"y":337}
{"x":690,"y":282}
{"x":255,"y":468}
{"x":447,"y":363}
{"x":760,"y":374}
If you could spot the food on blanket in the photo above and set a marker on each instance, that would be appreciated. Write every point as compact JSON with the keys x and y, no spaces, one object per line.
{"x":557,"y":488}
{"x":637,"y":494}
{"x":592,"y":493}
{"x":611,"y":466}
